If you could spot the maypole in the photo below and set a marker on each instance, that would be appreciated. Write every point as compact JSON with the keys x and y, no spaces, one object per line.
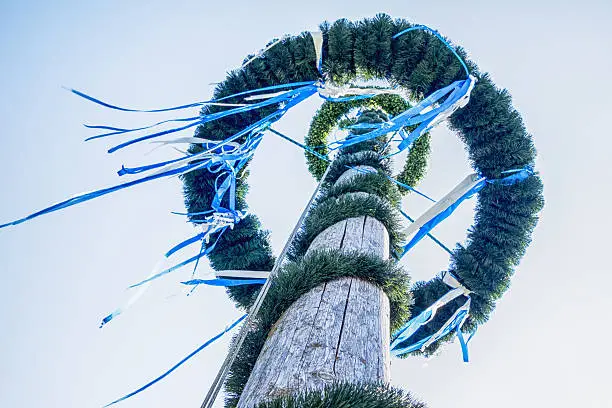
{"x":339,"y":330}
{"x":322,"y":323}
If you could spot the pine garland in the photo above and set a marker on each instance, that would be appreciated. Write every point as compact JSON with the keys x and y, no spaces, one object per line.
{"x":346,"y":395}
{"x":416,"y":163}
{"x":330,"y":114}
{"x":345,"y":161}
{"x":331,"y":210}
{"x":372,"y":183}
{"x":491,"y":128}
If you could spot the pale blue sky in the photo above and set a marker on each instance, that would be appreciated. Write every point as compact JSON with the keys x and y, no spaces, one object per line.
{"x":546,"y":343}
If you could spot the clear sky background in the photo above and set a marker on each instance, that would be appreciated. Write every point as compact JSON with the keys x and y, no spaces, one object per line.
{"x":547,"y":343}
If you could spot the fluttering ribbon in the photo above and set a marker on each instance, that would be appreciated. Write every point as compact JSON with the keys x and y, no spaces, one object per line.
{"x":401,"y":338}
{"x":224,"y":282}
{"x":227,"y":157}
{"x":466,"y":189}
{"x":232,"y":278}
{"x":157,"y":272}
{"x":80,"y":198}
{"x":177,"y":365}
{"x":317,"y":39}
{"x":472,"y":184}
{"x":261,"y":52}
{"x":189,"y":105}
{"x":220,"y":218}
{"x":283,"y":100}
{"x":426,"y":114}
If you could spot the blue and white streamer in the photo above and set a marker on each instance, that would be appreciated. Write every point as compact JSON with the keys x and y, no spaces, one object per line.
{"x":261,"y":52}
{"x":438,"y":212}
{"x":224,"y":282}
{"x":317,"y":39}
{"x":431,"y":111}
{"x":401,"y":343}
{"x":190,"y":105}
{"x":177,"y":365}
{"x":441,"y":210}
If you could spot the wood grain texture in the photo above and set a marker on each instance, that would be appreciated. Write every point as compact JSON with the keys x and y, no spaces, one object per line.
{"x":338,"y":331}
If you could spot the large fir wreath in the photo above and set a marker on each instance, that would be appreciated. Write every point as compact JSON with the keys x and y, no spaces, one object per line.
{"x":492,"y":130}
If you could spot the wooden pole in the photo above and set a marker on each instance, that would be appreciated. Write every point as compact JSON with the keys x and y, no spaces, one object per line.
{"x":338,"y":331}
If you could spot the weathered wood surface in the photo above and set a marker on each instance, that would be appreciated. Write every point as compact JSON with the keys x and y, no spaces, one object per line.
{"x":338,"y":331}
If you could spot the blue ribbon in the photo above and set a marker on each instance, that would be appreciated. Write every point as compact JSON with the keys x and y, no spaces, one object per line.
{"x":464,"y":344}
{"x":118,"y":131}
{"x":194,"y":258}
{"x":453,"y":93}
{"x":189,"y":241}
{"x":225,"y":282}
{"x":322,"y":157}
{"x":442,"y":216}
{"x":399,"y":346}
{"x":98,"y":193}
{"x":516,"y":175}
{"x":190,"y":105}
{"x":177,"y":365}
{"x":434,"y":239}
{"x":289,"y":98}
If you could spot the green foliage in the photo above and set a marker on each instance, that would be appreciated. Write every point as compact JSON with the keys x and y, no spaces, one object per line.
{"x":331,"y":210}
{"x":245,"y":247}
{"x":363,"y":158}
{"x":416,"y":163}
{"x":339,"y":61}
{"x":331,"y":114}
{"x":298,"y":278}
{"x":492,"y":129}
{"x":373,"y":52}
{"x":346,"y":395}
{"x":372,"y":183}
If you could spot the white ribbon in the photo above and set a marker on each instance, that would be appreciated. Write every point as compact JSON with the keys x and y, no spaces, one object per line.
{"x":463,"y":187}
{"x":265,"y":96}
{"x":242,"y":274}
{"x":335,"y":91}
{"x":261,"y":52}
{"x":458,"y":290}
{"x":317,"y":39}
{"x":192,"y":140}
{"x":460,"y":103}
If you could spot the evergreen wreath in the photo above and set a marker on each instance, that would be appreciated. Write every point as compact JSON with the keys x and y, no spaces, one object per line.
{"x":495,"y":138}
{"x":416,"y":62}
{"x":331,"y":114}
